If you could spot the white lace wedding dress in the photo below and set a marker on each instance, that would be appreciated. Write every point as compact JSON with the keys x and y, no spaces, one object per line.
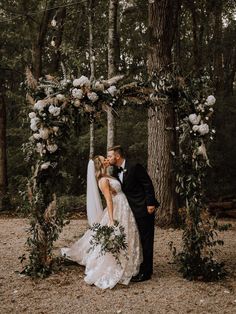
{"x":104,"y":271}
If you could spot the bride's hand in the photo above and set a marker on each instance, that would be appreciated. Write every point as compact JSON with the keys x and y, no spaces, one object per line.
{"x":111,"y":223}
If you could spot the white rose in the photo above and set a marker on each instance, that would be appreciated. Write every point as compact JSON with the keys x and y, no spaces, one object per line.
{"x":82,"y":81}
{"x":33,"y":127}
{"x":36,"y":136}
{"x":77,"y":93}
{"x":92,"y":96}
{"x":35,"y":120}
{"x":60,"y":97}
{"x":39,"y":105}
{"x":52,"y":148}
{"x":112,"y":90}
{"x":194,"y":119}
{"x":55,"y":129}
{"x":203,"y":129}
{"x":32,"y":115}
{"x":45,"y":165}
{"x":210,"y":101}
{"x":55,"y":111}
{"x":44,"y":133}
{"x":195,"y":128}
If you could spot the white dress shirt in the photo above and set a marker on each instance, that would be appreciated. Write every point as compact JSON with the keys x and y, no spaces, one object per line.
{"x":121,"y":174}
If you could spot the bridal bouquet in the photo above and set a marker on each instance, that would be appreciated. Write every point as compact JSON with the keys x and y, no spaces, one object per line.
{"x":111,"y":239}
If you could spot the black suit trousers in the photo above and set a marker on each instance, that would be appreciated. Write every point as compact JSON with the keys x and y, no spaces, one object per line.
{"x":146,"y":231}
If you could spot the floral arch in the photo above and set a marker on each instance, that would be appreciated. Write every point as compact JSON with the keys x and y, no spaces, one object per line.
{"x":54,"y":103}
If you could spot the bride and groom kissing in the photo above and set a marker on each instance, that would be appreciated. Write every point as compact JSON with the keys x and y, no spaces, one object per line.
{"x":130,"y":200}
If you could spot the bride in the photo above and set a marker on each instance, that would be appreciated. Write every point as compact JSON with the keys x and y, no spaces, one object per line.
{"x":104,"y":271}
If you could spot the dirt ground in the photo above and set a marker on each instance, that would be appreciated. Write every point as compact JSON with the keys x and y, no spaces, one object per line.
{"x":66,"y":291}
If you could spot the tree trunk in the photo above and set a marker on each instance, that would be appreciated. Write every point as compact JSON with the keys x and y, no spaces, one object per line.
{"x":38,"y":43}
{"x":218,"y":54}
{"x":163,"y":16}
{"x":113,"y":57}
{"x":56,"y":57}
{"x":90,"y":7}
{"x":3,"y":155}
{"x":230,"y":70}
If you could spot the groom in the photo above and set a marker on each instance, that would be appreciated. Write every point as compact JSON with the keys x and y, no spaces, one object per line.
{"x":138,"y":188}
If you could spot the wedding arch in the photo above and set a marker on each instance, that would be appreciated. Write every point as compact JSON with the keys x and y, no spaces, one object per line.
{"x":54,"y":105}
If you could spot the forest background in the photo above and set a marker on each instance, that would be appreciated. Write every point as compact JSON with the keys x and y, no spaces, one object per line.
{"x":205,"y":41}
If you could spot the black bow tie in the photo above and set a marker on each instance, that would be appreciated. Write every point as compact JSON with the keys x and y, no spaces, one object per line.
{"x":120,"y":169}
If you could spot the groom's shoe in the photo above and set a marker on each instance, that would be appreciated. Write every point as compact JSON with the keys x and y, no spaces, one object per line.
{"x":140,"y":278}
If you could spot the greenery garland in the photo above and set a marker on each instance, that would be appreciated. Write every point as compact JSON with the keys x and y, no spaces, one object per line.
{"x":195,"y":111}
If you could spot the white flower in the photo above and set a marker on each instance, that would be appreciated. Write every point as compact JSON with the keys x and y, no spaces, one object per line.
{"x":53,"y":23}
{"x":32,"y":115}
{"x":194,"y":119}
{"x":60,"y":97}
{"x":112,"y":90}
{"x":55,"y":111}
{"x":116,"y":231}
{"x":210,"y":100}
{"x":203,"y":129}
{"x":35,"y":120}
{"x":44,"y":133}
{"x":39,"y":148}
{"x":211,"y":109}
{"x":77,"y":103}
{"x":77,"y":93}
{"x":55,"y":129}
{"x":82,"y":81}
{"x":213,"y":131}
{"x":53,"y":43}
{"x":33,"y":126}
{"x":39,"y":105}
{"x":36,"y":136}
{"x":92,"y":96}
{"x":45,"y":165}
{"x":52,"y":148}
{"x":200,"y":107}
{"x":195,"y":128}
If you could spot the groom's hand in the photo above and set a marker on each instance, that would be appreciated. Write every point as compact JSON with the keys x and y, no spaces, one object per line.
{"x":150,"y":209}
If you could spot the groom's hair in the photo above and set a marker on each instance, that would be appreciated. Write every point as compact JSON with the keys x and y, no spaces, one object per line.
{"x":117,"y":149}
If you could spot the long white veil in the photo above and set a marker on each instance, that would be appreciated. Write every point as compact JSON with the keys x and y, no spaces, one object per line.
{"x":94,"y":203}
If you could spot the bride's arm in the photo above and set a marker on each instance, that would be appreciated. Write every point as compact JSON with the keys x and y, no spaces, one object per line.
{"x":105,"y":188}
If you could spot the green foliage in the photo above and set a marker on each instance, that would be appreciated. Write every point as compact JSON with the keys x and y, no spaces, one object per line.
{"x":199,"y":230}
{"x":109,"y":239}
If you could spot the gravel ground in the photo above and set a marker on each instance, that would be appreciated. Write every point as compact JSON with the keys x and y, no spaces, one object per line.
{"x":66,"y":291}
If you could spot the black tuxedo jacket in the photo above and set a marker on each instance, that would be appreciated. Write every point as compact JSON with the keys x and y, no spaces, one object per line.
{"x":138,"y":188}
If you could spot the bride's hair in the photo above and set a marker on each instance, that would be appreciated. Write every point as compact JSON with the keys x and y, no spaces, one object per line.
{"x":100,"y":170}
